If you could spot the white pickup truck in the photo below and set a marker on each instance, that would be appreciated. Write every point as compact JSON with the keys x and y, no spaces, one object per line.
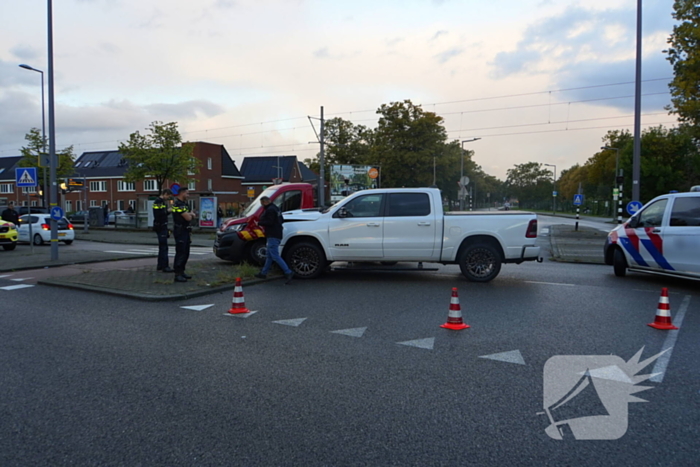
{"x":407,"y":224}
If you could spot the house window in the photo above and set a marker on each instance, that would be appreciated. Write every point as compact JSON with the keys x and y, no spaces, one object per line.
{"x":209,"y":163}
{"x":79,"y":205}
{"x":98,"y":186}
{"x":209,"y":184}
{"x":192,"y":186}
{"x":125,"y":186}
{"x":150,"y":185}
{"x":120,"y":205}
{"x":29,"y":189}
{"x":33,"y":203}
{"x":93,"y":203}
{"x":69,"y":206}
{"x":6,"y":188}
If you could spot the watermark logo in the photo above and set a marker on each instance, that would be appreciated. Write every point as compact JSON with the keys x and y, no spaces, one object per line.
{"x":586,"y":397}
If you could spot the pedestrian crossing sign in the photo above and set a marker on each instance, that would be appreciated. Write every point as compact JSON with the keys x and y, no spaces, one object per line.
{"x":26,"y":176}
{"x":578,"y":200}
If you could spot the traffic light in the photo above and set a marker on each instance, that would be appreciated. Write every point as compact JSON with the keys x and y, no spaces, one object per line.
{"x":620,"y":180}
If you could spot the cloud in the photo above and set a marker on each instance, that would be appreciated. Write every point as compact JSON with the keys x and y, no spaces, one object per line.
{"x":184,"y":110}
{"x":438,"y":34}
{"x":224,"y":4}
{"x":324,"y":54}
{"x":25,"y":52}
{"x":447,"y":55}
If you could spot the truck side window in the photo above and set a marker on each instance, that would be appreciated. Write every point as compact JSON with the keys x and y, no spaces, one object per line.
{"x":653,"y":215}
{"x":408,"y":204}
{"x":686,"y":212}
{"x":364,"y":206}
{"x":290,"y":201}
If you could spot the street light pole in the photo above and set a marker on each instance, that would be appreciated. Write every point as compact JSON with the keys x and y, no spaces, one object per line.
{"x":615,"y":182}
{"x":52,"y":134}
{"x":461,"y":172}
{"x":43,"y":127}
{"x":554,"y":189}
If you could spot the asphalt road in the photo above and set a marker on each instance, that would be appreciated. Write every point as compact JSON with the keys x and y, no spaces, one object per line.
{"x":89,"y":380}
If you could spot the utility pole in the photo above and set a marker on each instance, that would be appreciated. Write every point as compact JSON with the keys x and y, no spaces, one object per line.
{"x":637,"y":155}
{"x":322,"y":163}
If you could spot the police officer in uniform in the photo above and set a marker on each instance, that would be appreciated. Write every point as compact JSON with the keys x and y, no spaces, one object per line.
{"x":181,"y":220}
{"x":160,"y":227}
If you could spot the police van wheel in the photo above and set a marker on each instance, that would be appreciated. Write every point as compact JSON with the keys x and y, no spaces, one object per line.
{"x":619,"y":263}
{"x":306,"y":260}
{"x":257,"y":253}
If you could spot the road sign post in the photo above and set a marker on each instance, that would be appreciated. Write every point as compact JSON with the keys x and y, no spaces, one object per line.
{"x":25,"y":177}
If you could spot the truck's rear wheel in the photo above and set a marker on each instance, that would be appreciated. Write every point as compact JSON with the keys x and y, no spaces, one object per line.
{"x":619,"y":263}
{"x":257,"y":252}
{"x":305,"y":259}
{"x":480,"y":262}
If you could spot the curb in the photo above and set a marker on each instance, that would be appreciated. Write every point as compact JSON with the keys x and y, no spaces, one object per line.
{"x":153,"y":298}
{"x":73,"y":263}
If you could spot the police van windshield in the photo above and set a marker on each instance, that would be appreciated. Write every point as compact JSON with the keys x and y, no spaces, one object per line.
{"x":252,"y":207}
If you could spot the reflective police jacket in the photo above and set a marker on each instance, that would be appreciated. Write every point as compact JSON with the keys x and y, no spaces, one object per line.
{"x":160,"y":214}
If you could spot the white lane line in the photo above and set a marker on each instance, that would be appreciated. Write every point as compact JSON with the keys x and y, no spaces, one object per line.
{"x":22,"y":279}
{"x":662,"y":363}
{"x":15,"y":287}
{"x":126,"y":252}
{"x":5,"y":275}
{"x":550,"y":283}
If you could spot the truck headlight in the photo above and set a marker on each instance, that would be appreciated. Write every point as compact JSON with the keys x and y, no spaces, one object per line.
{"x":235,"y":228}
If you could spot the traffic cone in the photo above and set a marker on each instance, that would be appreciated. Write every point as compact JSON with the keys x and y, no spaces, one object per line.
{"x":238,"y":305}
{"x":663,"y":313}
{"x":454,"y":316}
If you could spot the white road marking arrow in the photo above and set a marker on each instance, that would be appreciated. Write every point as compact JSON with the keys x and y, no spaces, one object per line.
{"x":426,"y":343}
{"x":241,"y":315}
{"x":513,"y":356}
{"x":15,"y":287}
{"x":197,"y":307}
{"x":354,"y":332}
{"x":291,"y":322}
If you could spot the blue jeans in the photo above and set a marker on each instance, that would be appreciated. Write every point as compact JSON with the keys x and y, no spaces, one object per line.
{"x":273,"y":254}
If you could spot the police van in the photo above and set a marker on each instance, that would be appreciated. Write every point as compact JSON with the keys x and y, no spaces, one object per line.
{"x":661,"y":238}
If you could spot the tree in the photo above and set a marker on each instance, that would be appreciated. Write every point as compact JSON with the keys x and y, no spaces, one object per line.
{"x":684,"y":55}
{"x":346,"y":143}
{"x":406,"y":141}
{"x":30,"y":158}
{"x":531,"y":184}
{"x":159,"y":154}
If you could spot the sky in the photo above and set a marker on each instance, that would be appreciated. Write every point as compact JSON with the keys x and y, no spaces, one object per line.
{"x":536,"y":80}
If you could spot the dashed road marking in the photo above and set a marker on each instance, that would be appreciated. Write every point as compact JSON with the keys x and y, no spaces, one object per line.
{"x":662,"y":363}
{"x":197,"y":307}
{"x":15,"y":287}
{"x":512,"y":356}
{"x":354,"y":332}
{"x":550,"y":283}
{"x":22,"y":279}
{"x":426,"y":343}
{"x":291,"y":322}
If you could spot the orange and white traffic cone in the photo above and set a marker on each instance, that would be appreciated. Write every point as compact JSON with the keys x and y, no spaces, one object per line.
{"x":454,"y":316}
{"x":238,"y":305}
{"x":663,"y":313}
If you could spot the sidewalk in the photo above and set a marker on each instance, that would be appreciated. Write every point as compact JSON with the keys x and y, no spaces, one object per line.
{"x":582,"y":246}
{"x":138,"y":278}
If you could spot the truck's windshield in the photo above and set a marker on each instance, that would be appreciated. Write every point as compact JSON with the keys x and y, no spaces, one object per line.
{"x":252,"y":207}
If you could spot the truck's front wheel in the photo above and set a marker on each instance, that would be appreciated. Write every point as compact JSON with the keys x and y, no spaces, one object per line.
{"x":257,"y":252}
{"x":305,"y":259}
{"x":480,"y":262}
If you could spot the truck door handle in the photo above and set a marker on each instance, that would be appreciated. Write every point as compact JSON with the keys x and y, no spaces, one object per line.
{"x":656,"y":231}
{"x":424,"y":224}
{"x":372,"y":224}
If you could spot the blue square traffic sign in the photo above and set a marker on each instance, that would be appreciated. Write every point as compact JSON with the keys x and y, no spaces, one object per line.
{"x":26,"y":176}
{"x":578,"y":200}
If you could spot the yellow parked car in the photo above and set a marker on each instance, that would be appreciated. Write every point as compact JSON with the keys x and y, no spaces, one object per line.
{"x":8,"y":235}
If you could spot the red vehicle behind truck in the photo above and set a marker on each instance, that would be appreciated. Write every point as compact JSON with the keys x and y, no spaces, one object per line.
{"x":241,"y":239}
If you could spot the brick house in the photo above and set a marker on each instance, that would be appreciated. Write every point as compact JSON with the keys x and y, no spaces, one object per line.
{"x":261,"y":172}
{"x":103,"y":172}
{"x":8,"y":190}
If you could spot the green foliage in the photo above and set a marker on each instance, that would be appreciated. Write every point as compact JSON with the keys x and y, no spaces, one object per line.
{"x":30,"y":158}
{"x":346,"y":143}
{"x":159,"y":154}
{"x":684,"y":55}
{"x":530,"y":183}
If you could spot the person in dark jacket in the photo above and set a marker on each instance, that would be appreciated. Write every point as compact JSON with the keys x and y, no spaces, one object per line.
{"x":271,"y":221}
{"x":10,"y":215}
{"x":182,"y":216}
{"x":160,"y":227}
